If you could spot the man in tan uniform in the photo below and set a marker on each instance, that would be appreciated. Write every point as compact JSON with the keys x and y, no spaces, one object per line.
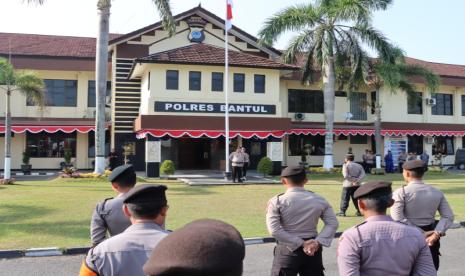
{"x":237,"y":162}
{"x":292,"y":219}
{"x":353,"y":174}
{"x":416,"y":204}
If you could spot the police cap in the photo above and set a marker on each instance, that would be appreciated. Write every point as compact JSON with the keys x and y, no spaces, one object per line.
{"x":120,"y":171}
{"x":414,"y":164}
{"x":373,"y":188}
{"x":204,"y":247}
{"x":146,"y":193}
{"x":292,"y":170}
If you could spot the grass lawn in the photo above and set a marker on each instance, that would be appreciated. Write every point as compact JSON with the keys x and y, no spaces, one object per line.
{"x":57,"y":212}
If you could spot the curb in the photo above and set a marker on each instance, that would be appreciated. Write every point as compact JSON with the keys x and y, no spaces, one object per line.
{"x":31,"y":174}
{"x":43,"y":252}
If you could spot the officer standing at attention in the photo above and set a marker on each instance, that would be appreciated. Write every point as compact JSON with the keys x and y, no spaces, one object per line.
{"x":108,"y":216}
{"x":125,"y":254}
{"x":292,"y":219}
{"x":353,"y":174}
{"x":416,"y":204}
{"x":380,"y":246}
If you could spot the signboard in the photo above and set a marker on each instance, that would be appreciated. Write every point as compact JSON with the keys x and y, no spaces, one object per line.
{"x":396,"y":145}
{"x":214,"y":108}
{"x":152,"y":151}
{"x":275,"y":151}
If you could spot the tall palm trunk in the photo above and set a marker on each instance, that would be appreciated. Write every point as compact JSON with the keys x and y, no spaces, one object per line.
{"x":378,"y":139}
{"x":329,"y":86}
{"x":7,"y":170}
{"x":101,"y":84}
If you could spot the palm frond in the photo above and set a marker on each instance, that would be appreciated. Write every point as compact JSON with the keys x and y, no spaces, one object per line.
{"x":299,"y":44}
{"x":6,"y":73}
{"x":431,"y":79}
{"x":38,"y":2}
{"x":164,"y":9}
{"x":375,"y":40}
{"x":33,"y":87}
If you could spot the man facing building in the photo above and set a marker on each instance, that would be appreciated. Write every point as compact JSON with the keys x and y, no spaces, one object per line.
{"x":353,"y":174}
{"x":379,"y":246}
{"x":237,"y":162}
{"x":416,"y":204}
{"x":292,"y":218}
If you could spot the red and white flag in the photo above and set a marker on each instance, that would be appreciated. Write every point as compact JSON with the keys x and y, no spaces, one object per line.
{"x":229,"y":15}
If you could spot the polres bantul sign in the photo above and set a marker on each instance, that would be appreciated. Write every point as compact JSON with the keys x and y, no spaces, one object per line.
{"x":214,"y":108}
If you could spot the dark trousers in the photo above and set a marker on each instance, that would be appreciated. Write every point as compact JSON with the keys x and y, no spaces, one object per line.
{"x":244,"y":169}
{"x":347,"y":194}
{"x":236,"y":173}
{"x":435,"y":247}
{"x":401,"y":170}
{"x":291,"y":263}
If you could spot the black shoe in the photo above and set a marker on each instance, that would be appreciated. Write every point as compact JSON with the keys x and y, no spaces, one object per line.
{"x":358,"y":214}
{"x":341,"y":214}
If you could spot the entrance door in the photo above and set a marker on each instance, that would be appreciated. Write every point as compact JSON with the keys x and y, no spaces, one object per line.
{"x":256,"y":149}
{"x":194,"y":154}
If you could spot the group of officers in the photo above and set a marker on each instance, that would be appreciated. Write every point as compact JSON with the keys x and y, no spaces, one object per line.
{"x":129,"y":237}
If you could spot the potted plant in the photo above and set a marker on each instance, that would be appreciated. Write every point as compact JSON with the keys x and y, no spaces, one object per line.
{"x":67,"y":156}
{"x":167,"y":168}
{"x":265,"y":166}
{"x":26,"y":167}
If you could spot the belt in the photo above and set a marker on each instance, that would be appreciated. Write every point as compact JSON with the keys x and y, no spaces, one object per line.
{"x":305,"y":239}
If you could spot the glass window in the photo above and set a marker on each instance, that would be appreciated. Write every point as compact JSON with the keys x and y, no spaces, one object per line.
{"x":463,"y":105}
{"x":358,"y":106}
{"x":259,"y":83}
{"x":60,"y":93}
{"x":50,"y":145}
{"x":217,"y":81}
{"x":415,"y":144}
{"x":239,"y":82}
{"x":444,"y":104}
{"x":172,"y":80}
{"x":305,"y":101}
{"x":443,"y":145}
{"x":302,"y":144}
{"x":91,"y":93}
{"x":359,"y":139}
{"x":91,"y":143}
{"x":415,"y":103}
{"x":195,"y":81}
{"x":373,"y":101}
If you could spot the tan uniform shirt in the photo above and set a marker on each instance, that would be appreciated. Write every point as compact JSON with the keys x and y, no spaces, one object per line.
{"x":418,"y":206}
{"x":237,"y":159}
{"x":352,"y":173}
{"x":294,"y":215}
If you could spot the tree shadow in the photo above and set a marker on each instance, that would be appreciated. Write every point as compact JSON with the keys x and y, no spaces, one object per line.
{"x":16,"y":213}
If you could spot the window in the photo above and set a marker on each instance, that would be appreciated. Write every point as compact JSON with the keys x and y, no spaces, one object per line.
{"x":217,"y":81}
{"x":358,"y":139}
{"x":300,"y":144}
{"x":415,"y":103}
{"x":91,"y":93}
{"x":50,"y":145}
{"x":172,"y":80}
{"x":305,"y":101}
{"x":259,"y":83}
{"x":463,"y":105}
{"x":195,"y":81}
{"x":358,"y":106}
{"x":444,"y":104}
{"x":443,"y":145}
{"x":373,"y":101}
{"x":91,"y":143}
{"x":60,"y":93}
{"x":239,"y":82}
{"x":415,"y":144}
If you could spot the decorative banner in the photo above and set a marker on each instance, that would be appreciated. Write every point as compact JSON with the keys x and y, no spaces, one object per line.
{"x":275,"y":151}
{"x":214,"y":108}
{"x":152,"y":151}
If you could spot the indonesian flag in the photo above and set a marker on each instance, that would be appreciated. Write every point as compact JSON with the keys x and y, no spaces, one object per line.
{"x":229,"y":15}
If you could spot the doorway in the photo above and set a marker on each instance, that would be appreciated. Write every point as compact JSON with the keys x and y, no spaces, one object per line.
{"x":194,"y":153}
{"x":256,"y":149}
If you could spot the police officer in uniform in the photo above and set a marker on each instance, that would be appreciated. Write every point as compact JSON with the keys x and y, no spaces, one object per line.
{"x":108,"y":216}
{"x":125,"y":254}
{"x":416,"y":204}
{"x":353,"y":174}
{"x":292,"y":219}
{"x":380,"y":246}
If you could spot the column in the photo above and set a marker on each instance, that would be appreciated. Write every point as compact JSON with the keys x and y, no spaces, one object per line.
{"x":275,"y":151}
{"x":152,"y":156}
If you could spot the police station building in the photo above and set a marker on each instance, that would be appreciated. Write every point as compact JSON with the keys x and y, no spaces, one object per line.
{"x":167,"y":101}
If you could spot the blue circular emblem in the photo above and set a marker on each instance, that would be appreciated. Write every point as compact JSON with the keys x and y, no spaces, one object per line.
{"x":196,"y":34}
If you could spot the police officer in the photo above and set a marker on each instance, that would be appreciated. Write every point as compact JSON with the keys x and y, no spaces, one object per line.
{"x":237,"y":162}
{"x":125,"y":254}
{"x":108,"y":216}
{"x":292,"y":219}
{"x":353,"y":174}
{"x":380,"y":246}
{"x":416,"y":204}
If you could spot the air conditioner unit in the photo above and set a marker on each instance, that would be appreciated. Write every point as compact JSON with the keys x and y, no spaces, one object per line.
{"x":429,"y":140}
{"x":430,"y":101}
{"x":299,"y":116}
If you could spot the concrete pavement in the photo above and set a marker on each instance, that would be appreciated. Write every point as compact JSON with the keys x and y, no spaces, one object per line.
{"x":257,"y":262}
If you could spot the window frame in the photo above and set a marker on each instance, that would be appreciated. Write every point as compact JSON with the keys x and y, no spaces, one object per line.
{"x":448,"y":152}
{"x":415,"y":108}
{"x":108,"y":92}
{"x":68,"y":95}
{"x":236,"y":86}
{"x":258,"y":77}
{"x":171,"y":81}
{"x":353,"y":139}
{"x":439,"y":109}
{"x":301,"y":99}
{"x":193,"y":85}
{"x":43,"y":135}
{"x":214,"y":88}
{"x":301,"y":140}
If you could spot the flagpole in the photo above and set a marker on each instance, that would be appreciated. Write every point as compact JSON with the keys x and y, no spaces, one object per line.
{"x":226,"y":98}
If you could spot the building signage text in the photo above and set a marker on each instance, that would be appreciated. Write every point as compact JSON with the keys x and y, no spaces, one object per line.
{"x":214,"y":108}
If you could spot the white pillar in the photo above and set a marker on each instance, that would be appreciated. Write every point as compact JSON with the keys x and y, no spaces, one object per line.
{"x":7,"y":170}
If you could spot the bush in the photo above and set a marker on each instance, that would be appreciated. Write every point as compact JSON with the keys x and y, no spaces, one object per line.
{"x":376,"y":171}
{"x":26,"y":157}
{"x":67,"y":156}
{"x":167,"y":168}
{"x":265,"y":166}
{"x":321,"y":170}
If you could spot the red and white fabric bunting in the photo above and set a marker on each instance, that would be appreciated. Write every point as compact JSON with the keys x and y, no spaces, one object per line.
{"x":49,"y":129}
{"x":229,"y":14}
{"x":210,"y":133}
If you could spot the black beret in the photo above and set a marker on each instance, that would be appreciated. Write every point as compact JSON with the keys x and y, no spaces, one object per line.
{"x":146,"y":193}
{"x":373,"y":188}
{"x":120,"y":171}
{"x":292,"y":170}
{"x":204,"y":247}
{"x":414,"y":164}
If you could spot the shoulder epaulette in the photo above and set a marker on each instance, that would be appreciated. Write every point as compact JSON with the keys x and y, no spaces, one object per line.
{"x":104,"y":202}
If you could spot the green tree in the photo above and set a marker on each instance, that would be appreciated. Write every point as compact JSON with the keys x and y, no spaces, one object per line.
{"x":13,"y":81}
{"x":101,"y":61}
{"x":167,"y":168}
{"x":332,"y":34}
{"x":265,"y":166}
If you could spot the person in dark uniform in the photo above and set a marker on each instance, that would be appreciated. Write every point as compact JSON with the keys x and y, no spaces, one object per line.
{"x":108,"y":218}
{"x":292,"y":219}
{"x":114,"y":159}
{"x":246,"y":163}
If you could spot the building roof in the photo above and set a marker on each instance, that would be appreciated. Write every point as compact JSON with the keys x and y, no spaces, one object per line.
{"x":48,"y":45}
{"x":205,"y":54}
{"x":442,"y":69}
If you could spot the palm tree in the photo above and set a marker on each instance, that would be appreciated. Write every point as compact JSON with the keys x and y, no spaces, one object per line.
{"x":332,"y":34}
{"x":25,"y":82}
{"x":396,"y":76}
{"x":101,"y":61}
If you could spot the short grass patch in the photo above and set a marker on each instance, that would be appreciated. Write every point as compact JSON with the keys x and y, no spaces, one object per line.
{"x":57,"y":212}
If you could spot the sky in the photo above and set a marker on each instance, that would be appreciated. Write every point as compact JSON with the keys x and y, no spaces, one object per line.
{"x":426,"y":29}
